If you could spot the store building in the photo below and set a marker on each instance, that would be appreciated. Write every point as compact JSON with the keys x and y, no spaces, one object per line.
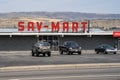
{"x":15,"y":41}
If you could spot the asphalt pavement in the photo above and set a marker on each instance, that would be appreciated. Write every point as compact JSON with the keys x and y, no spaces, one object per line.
{"x":24,"y":58}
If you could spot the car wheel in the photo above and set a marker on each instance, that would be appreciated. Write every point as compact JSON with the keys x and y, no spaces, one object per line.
{"x":44,"y":54}
{"x":61,"y":52}
{"x":49,"y":54}
{"x":33,"y":54}
{"x":79,"y":53}
{"x":97,"y":52}
{"x":37,"y":53}
{"x":68,"y":53}
{"x":71,"y":53}
{"x":114,"y":52}
{"x":106,"y":52}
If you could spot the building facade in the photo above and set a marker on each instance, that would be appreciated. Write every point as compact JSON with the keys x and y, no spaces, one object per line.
{"x":25,"y":41}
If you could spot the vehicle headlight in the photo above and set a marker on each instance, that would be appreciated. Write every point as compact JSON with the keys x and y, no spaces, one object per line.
{"x":107,"y":49}
{"x":48,"y":47}
{"x":39,"y":47}
{"x":80,"y":48}
{"x":70,"y":48}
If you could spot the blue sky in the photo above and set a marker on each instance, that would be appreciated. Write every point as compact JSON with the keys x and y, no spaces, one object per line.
{"x":89,"y":6}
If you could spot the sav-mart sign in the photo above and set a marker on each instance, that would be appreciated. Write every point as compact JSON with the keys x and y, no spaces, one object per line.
{"x":116,"y":34}
{"x":55,"y":26}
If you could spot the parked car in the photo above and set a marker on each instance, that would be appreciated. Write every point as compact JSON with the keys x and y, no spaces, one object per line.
{"x":41,"y":47}
{"x":70,"y":47}
{"x":105,"y":48}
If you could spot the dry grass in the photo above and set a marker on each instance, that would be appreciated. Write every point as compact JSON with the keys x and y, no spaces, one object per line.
{"x":13,"y":22}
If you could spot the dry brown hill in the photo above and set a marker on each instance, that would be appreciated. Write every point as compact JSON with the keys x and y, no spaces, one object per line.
{"x":10,"y":20}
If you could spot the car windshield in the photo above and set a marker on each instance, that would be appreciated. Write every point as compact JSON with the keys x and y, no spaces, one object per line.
{"x":107,"y":46}
{"x":44,"y":44}
{"x":72,"y":44}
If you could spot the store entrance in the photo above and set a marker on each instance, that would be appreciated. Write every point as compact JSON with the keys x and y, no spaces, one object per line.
{"x":53,"y":40}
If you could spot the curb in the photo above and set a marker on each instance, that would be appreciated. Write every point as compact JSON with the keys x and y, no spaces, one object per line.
{"x":62,"y":66}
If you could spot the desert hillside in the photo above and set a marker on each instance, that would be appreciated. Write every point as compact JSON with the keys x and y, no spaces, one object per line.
{"x":106,"y":21}
{"x":13,"y":22}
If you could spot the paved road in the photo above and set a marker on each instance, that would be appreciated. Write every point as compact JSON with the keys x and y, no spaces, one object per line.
{"x":25,"y":59}
{"x":68,"y":74}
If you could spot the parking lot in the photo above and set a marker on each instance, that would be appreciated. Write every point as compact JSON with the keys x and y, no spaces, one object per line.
{"x":24,"y":58}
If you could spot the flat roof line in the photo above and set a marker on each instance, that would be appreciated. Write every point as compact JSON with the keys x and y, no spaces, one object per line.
{"x":32,"y":34}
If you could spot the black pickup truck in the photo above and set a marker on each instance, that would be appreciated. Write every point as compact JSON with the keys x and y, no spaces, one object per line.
{"x":70,"y":47}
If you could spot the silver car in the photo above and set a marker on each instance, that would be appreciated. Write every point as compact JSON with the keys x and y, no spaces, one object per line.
{"x":42,"y":47}
{"x":105,"y":48}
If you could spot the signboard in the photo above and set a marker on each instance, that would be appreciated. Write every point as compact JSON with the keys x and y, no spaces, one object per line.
{"x":116,"y":34}
{"x":54,"y":26}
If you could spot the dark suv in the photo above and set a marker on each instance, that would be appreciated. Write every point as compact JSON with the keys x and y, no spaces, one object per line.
{"x":41,"y":47}
{"x":70,"y":47}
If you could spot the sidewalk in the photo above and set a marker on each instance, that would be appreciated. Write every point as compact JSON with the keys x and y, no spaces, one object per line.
{"x":53,"y":52}
{"x":62,"y":66}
